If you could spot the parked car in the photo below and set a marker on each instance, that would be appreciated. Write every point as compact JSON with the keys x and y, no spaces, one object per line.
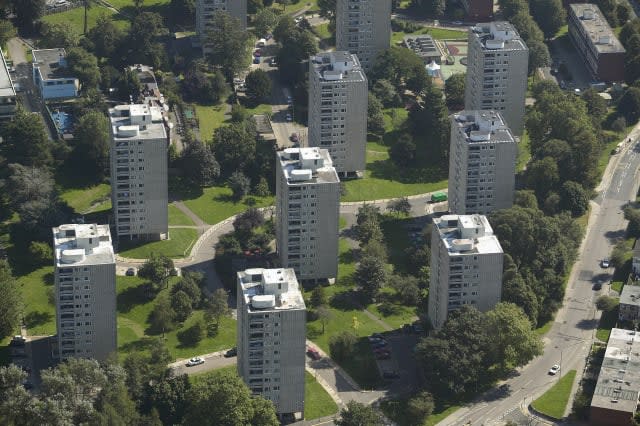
{"x":383,"y":355}
{"x":313,"y":354}
{"x":131,"y":272}
{"x":381,"y":350}
{"x":598,"y":286}
{"x":554,"y":370}
{"x":605,"y":263}
{"x":388,"y":374}
{"x":18,"y":340}
{"x":195,"y":361}
{"x":379,"y":344}
{"x":231,"y":353}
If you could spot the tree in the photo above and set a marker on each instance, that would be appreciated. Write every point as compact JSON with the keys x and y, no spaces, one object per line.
{"x":386,"y":93}
{"x":574,"y":198}
{"x":400,"y":206}
{"x":402,"y":68}
{"x":240,"y":185}
{"x":342,"y":345}
{"x":210,"y":89}
{"x":215,"y":308}
{"x":596,"y":105}
{"x":189,"y":285}
{"x":234,"y":146}
{"x":55,"y":35}
{"x":193,"y":335}
{"x":258,"y":86}
{"x":633,"y":216}
{"x":199,"y":164}
{"x":431,"y":8}
{"x":549,"y":15}
{"x":327,"y":9}
{"x":224,"y":399}
{"x":249,"y":220}
{"x":408,"y":288}
{"x":371,"y":276}
{"x":7,"y":31}
{"x":324,"y":315}
{"x":105,"y":37}
{"x":183,"y":12}
{"x":357,"y":414}
{"x":606,"y":303}
{"x":181,"y":304}
{"x":454,"y":90}
{"x":318,"y":297}
{"x":10,"y":303}
{"x":420,"y":407}
{"x":629,"y":105}
{"x":430,"y":127}
{"x":162,"y":317}
{"x":169,"y":396}
{"x":228,"y":44}
{"x":27,"y":12}
{"x":15,"y":400}
{"x":25,"y":140}
{"x":83,"y":65}
{"x":141,"y":41}
{"x":618,"y":254}
{"x":40,"y":253}
{"x":265,"y":21}
{"x":156,"y":269}
{"x":28,"y":185}
{"x":375,"y":116}
{"x":92,"y":143}
{"x":403,"y":151}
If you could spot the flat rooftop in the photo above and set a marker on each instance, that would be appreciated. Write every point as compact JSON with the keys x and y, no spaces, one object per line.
{"x":595,"y":25}
{"x":338,"y":66}
{"x":467,"y":234}
{"x":423,"y":45}
{"x":483,"y":126}
{"x":51,"y":63}
{"x":619,"y":379}
{"x":82,"y":244}
{"x":630,"y":295}
{"x":307,"y":165}
{"x":498,"y":35}
{"x":137,"y":121}
{"x":6,"y":85}
{"x":270,"y":289}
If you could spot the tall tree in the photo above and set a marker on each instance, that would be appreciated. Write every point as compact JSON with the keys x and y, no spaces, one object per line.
{"x":258,"y":86}
{"x":454,"y":90}
{"x":371,"y":276}
{"x":228,"y":44}
{"x":10,"y":301}
{"x":25,"y":140}
{"x":234,"y":146}
{"x":84,"y":65}
{"x":105,"y":36}
{"x":55,"y":35}
{"x":92,"y":142}
{"x":215,"y":308}
{"x":357,"y":414}
{"x":156,"y":269}
{"x":549,"y":15}
{"x":27,"y":12}
{"x":199,"y":164}
{"x":162,"y":317}
{"x":375,"y":116}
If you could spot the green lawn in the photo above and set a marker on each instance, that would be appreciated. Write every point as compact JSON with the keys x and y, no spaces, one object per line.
{"x":119,"y":4}
{"x":178,"y":245}
{"x":383,"y":179}
{"x":133,"y":333}
{"x":75,"y":17}
{"x":436,"y":33}
{"x":399,"y":316}
{"x":214,"y":204}
{"x":617,"y":286}
{"x":396,"y":410}
{"x":608,"y":320}
{"x":524,"y":153}
{"x":317,"y":402}
{"x":210,"y":117}
{"x":177,"y":217}
{"x":82,"y":199}
{"x":229,"y":369}
{"x":554,"y":401}
{"x":544,"y":329}
{"x":39,"y":314}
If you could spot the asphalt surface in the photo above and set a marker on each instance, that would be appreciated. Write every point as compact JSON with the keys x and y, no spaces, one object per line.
{"x":573,"y":331}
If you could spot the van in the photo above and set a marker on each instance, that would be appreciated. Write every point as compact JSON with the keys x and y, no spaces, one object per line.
{"x":261,"y":43}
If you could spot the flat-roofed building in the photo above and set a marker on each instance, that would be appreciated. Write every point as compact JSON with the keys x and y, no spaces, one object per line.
{"x":7,"y":91}
{"x":206,"y":9}
{"x":338,"y":101}
{"x":307,"y":212}
{"x":85,"y":291}
{"x":363,"y":27}
{"x":52,"y":76}
{"x":139,"y":179}
{"x":466,"y":266}
{"x":497,"y":72}
{"x":482,"y":163}
{"x":615,"y":399}
{"x":425,"y":47}
{"x":595,"y":41}
{"x":272,"y":337}
{"x":629,"y":306}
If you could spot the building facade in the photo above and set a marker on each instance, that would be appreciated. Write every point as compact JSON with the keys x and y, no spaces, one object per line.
{"x":272,"y":337}
{"x":338,"y":101}
{"x":7,"y":91}
{"x":482,"y":163}
{"x":51,"y":75}
{"x":307,"y":212}
{"x":205,"y":10}
{"x":629,"y":307}
{"x":477,"y":10}
{"x":595,"y":41}
{"x":466,"y":266}
{"x":139,"y":180}
{"x":85,"y":291}
{"x":497,"y":72}
{"x":615,"y":399}
{"x":363,"y":27}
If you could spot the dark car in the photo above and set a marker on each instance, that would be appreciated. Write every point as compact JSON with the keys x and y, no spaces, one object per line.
{"x":231,"y":353}
{"x":598,"y":285}
{"x":380,"y":344}
{"x":390,"y":374}
{"x":313,"y":354}
{"x":383,"y":355}
{"x":131,"y":272}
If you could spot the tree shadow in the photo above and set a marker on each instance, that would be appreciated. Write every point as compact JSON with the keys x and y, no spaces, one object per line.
{"x":48,"y":278}
{"x":386,"y":169}
{"x":37,"y":318}
{"x":142,"y":344}
{"x":181,"y":188}
{"x":134,"y":296}
{"x":226,"y":198}
{"x":346,"y":301}
{"x":348,"y":256}
{"x":615,"y":236}
{"x":587,"y":324}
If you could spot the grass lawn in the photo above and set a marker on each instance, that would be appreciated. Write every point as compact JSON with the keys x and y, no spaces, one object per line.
{"x":210,"y":117}
{"x":133,"y":329}
{"x":317,"y":402}
{"x":82,"y":199}
{"x":399,"y":315}
{"x":436,"y":33}
{"x":119,"y":4}
{"x":608,"y":320}
{"x":214,"y":204}
{"x":617,"y":286}
{"x":39,"y":315}
{"x":229,"y":369}
{"x":178,"y":245}
{"x":544,"y":329}
{"x":75,"y":17}
{"x":396,"y":410}
{"x":554,"y":401}
{"x":383,"y":179}
{"x":177,"y":217}
{"x":524,"y":153}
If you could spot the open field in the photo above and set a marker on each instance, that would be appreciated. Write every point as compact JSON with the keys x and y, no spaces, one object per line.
{"x":554,"y":401}
{"x":178,"y":245}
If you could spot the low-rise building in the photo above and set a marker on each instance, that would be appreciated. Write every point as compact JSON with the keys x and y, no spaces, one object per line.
{"x":595,"y":41}
{"x":629,"y":307}
{"x":425,"y":47}
{"x":52,"y":76}
{"x":85,"y":291}
{"x":272,"y":337}
{"x":635,"y":259}
{"x":615,"y":399}
{"x":7,"y":91}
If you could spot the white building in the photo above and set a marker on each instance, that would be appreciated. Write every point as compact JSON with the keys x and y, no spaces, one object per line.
{"x":466,"y":266}
{"x":272,"y":336}
{"x":85,"y":291}
{"x":307,"y":212}
{"x":363,"y":27}
{"x":482,"y":163}
{"x":497,"y":72}
{"x":338,"y":100}
{"x":51,"y":75}
{"x":205,"y":10}
{"x":139,"y":180}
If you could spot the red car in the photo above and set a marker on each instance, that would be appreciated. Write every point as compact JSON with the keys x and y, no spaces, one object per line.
{"x":313,"y":354}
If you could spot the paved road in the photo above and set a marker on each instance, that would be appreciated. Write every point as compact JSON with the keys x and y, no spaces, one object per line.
{"x":573,"y":331}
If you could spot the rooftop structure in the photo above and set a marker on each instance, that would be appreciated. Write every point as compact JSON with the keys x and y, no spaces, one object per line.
{"x":272,"y":336}
{"x":615,"y":398}
{"x":629,"y":307}
{"x":425,"y":47}
{"x":51,"y":75}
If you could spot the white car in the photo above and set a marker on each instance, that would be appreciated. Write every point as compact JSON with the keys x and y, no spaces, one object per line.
{"x":195,"y":361}
{"x":289,"y":117}
{"x":605,"y":263}
{"x":553,"y":370}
